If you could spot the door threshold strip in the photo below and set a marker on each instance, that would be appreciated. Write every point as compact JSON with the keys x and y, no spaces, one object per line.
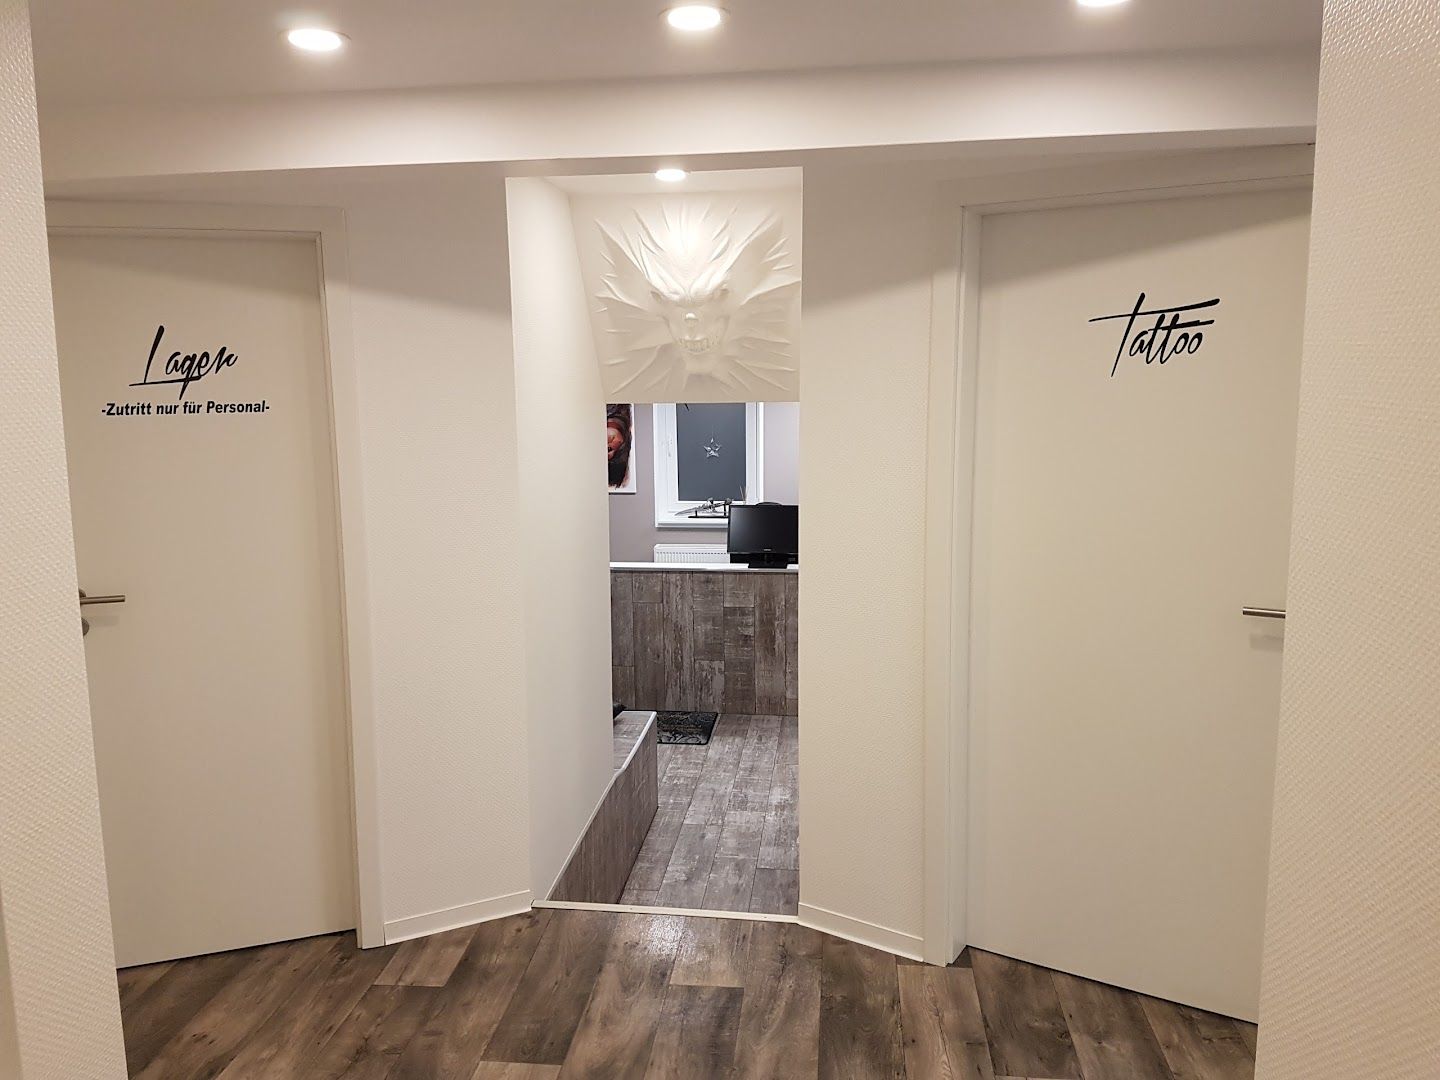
{"x":652,"y":909}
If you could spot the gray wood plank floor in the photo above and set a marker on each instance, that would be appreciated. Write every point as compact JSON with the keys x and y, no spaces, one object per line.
{"x":622,"y":996}
{"x":726,"y":836}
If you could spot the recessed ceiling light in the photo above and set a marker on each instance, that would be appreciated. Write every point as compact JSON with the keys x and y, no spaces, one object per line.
{"x":315,"y":39}
{"x":1101,"y":3}
{"x":670,"y":175}
{"x":694,"y":17}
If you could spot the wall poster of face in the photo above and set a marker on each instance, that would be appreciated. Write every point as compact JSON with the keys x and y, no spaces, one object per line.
{"x":619,"y":442}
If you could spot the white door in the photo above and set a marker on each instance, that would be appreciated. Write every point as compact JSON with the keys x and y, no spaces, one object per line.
{"x":205,"y":496}
{"x":1132,"y":495}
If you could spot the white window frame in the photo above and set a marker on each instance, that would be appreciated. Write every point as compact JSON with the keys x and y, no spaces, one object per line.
{"x":668,"y":504}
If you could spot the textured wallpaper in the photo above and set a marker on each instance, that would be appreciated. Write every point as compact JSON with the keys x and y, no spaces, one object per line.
{"x":1351,"y":985}
{"x":52,"y":870}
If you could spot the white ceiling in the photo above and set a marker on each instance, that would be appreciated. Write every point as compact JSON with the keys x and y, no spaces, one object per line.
{"x":103,"y":50}
{"x":718,"y":180}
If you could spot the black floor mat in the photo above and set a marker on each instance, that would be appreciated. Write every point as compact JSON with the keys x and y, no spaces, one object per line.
{"x":685,"y":728}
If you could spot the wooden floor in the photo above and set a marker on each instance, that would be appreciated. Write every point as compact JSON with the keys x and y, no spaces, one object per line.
{"x":726,"y":836}
{"x":609,"y":995}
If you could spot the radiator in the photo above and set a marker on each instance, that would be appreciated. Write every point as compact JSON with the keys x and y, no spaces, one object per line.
{"x":691,"y":553}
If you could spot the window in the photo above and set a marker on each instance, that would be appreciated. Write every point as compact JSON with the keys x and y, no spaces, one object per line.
{"x":703,"y":453}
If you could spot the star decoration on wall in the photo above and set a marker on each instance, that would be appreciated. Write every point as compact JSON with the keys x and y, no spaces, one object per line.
{"x":712,"y":448}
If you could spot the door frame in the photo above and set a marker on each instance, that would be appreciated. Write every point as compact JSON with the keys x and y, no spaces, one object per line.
{"x":325,"y":228}
{"x":950,"y":522}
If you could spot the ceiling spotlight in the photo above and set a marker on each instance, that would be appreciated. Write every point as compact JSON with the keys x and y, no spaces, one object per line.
{"x":1101,"y":3}
{"x":694,"y":18}
{"x":670,"y":175}
{"x":314,"y":39}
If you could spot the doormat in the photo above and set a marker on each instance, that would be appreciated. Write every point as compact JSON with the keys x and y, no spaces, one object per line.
{"x":685,"y":728}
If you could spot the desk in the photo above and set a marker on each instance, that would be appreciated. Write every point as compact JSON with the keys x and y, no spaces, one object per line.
{"x":705,"y":637}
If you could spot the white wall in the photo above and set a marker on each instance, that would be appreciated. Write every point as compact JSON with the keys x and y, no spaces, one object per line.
{"x":782,"y":451}
{"x":869,"y":244}
{"x":436,"y":389}
{"x":1351,"y":982}
{"x":59,"y":1012}
{"x":438,"y":394}
{"x":431,"y":311}
{"x":564,"y":527}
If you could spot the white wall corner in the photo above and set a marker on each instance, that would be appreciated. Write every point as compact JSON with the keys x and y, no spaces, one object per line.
{"x":429,"y":275}
{"x":1351,"y":976}
{"x":564,"y":527}
{"x":949,"y":473}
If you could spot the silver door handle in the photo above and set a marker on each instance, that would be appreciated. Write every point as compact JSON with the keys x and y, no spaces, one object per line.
{"x":86,"y":601}
{"x":1263,"y":612}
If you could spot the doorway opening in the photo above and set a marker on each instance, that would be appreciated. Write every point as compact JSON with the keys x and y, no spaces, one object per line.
{"x":688,"y":305}
{"x":705,"y":635}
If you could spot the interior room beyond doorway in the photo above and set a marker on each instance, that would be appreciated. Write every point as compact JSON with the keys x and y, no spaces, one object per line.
{"x":707,"y":637}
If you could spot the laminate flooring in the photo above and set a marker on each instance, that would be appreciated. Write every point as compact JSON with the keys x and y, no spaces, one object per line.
{"x":614,"y":996}
{"x":726,"y":835}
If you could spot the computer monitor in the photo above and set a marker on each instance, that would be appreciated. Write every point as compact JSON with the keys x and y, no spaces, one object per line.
{"x":764,"y":534}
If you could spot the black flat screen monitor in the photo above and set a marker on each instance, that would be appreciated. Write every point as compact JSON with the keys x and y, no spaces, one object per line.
{"x":765,"y":534}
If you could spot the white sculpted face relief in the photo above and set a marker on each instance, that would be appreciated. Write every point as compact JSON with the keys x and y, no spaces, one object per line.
{"x":690,"y":300}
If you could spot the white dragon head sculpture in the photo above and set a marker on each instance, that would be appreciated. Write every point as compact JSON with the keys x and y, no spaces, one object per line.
{"x":691,"y":301}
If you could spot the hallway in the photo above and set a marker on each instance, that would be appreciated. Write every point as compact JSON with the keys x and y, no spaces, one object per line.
{"x":596,"y":994}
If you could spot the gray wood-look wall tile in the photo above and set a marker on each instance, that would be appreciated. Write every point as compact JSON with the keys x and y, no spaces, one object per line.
{"x":709,"y":623}
{"x":718,"y":642}
{"x":679,"y":614}
{"x":651,"y":673}
{"x":739,"y":696}
{"x":770,"y":643}
{"x":791,"y":645}
{"x":740,"y":589}
{"x":622,"y":621}
{"x":622,"y":683}
{"x":709,"y":688}
{"x":602,"y":861}
{"x":645,"y":587}
{"x":709,"y":589}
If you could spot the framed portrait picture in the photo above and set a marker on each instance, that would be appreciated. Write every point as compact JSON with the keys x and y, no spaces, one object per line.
{"x":619,"y":447}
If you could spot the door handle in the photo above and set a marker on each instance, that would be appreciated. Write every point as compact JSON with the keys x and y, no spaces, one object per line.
{"x":86,"y":601}
{"x":1263,"y":612}
{"x":115,"y":598}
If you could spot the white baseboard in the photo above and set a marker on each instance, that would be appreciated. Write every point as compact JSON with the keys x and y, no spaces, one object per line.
{"x":655,"y":909}
{"x":898,"y":942}
{"x":497,"y":907}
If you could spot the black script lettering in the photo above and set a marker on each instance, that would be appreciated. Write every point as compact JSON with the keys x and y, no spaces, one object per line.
{"x":187,"y":368}
{"x":1156,"y":342}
